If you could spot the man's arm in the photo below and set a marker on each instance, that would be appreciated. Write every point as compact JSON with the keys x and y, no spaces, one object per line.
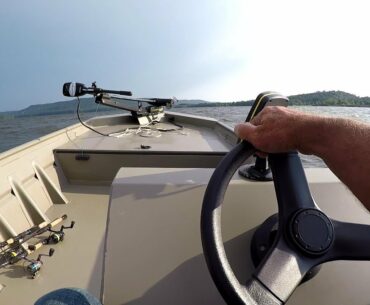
{"x":343,"y":144}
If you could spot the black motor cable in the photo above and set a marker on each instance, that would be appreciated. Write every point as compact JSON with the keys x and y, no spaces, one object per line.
{"x":87,"y":126}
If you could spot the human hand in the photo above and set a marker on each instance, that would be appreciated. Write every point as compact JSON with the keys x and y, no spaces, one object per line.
{"x":275,"y":129}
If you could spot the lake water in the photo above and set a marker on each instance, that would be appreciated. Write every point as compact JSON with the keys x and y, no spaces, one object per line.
{"x":21,"y":130}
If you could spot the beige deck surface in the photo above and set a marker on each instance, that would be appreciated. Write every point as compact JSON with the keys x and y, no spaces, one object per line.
{"x":203,"y":139}
{"x":199,"y":138}
{"x":154,"y":237}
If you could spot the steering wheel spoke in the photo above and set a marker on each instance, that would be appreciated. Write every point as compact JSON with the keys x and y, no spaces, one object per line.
{"x":351,"y":242}
{"x":283,"y":270}
{"x":291,"y":185}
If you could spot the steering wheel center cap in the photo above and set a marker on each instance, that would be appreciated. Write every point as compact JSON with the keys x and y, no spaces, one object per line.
{"x":312,"y":231}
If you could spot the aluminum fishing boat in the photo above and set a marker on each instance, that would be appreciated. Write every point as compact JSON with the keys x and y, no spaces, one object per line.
{"x":135,"y":194}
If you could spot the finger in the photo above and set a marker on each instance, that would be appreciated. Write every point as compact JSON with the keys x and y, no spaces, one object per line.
{"x":245,"y":131}
{"x":257,"y":120}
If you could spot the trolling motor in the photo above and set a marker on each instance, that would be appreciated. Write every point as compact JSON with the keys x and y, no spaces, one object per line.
{"x":57,"y":236}
{"x":35,"y":265}
{"x":260,"y":171}
{"x":145,"y":111}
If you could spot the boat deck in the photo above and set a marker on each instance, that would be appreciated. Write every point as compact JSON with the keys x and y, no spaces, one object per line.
{"x":173,"y":133}
{"x":90,"y":158}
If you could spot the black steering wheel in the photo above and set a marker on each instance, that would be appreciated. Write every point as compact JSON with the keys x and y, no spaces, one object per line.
{"x":306,"y":237}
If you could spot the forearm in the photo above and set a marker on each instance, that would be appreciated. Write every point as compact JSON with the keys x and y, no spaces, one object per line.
{"x":344,"y":145}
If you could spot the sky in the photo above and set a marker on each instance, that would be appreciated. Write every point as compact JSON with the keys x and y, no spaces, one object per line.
{"x":217,"y":50}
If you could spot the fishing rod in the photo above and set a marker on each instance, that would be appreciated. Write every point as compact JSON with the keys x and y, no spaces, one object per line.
{"x":34,"y":265}
{"x":15,"y":255}
{"x":18,"y":252}
{"x":15,"y":249}
{"x":55,"y":237}
{"x":22,"y":235}
{"x":30,"y":233}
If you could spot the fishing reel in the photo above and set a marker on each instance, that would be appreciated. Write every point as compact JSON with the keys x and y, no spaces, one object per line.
{"x":34,"y":266}
{"x":57,"y":236}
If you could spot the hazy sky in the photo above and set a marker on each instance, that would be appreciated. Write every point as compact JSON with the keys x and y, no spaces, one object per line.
{"x":215,"y":50}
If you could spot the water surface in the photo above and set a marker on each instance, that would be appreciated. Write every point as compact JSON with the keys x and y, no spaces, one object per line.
{"x":21,"y":130}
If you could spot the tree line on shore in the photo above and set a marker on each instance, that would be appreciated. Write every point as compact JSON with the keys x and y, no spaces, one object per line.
{"x":321,"y":98}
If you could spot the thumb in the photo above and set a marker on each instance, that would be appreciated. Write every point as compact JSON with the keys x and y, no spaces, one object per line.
{"x":245,"y":131}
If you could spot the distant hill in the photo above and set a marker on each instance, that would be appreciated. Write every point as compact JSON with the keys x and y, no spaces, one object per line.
{"x":321,"y":98}
{"x":190,"y":103}
{"x":54,"y":108}
{"x":329,"y":98}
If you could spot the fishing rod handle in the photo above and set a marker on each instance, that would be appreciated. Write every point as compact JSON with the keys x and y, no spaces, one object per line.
{"x":19,"y":236}
{"x":58,"y":220}
{"x":33,"y":248}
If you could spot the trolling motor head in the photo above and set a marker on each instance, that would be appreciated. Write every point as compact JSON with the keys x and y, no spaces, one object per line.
{"x":74,"y":89}
{"x":78,"y":89}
